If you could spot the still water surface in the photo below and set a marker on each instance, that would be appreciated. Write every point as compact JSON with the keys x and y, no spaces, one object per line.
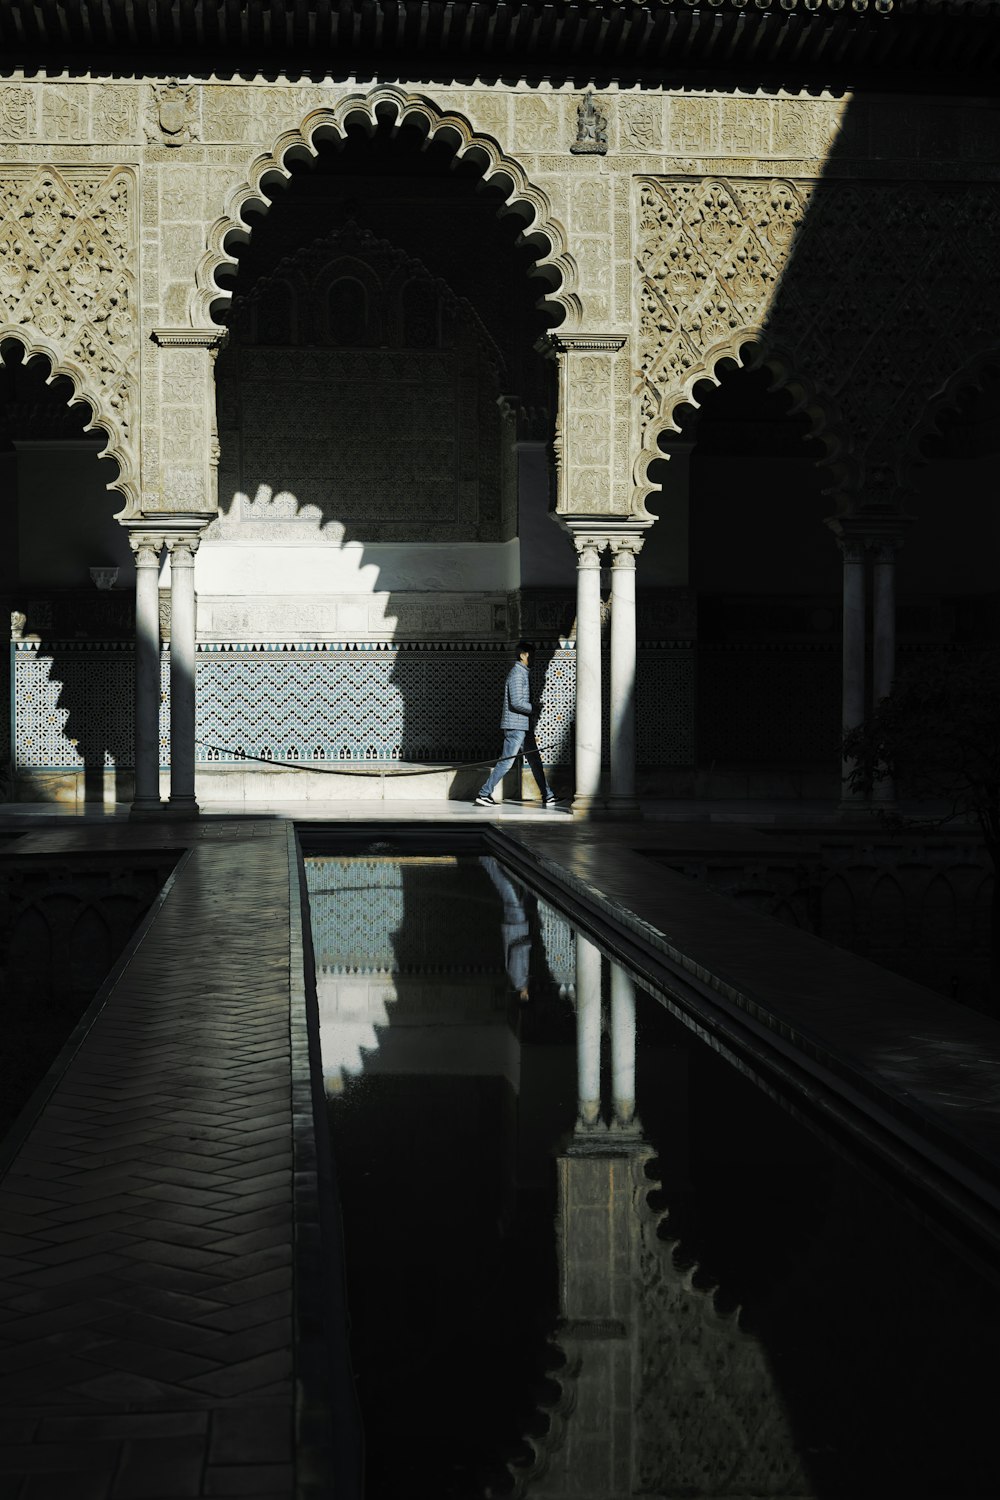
{"x":586,"y":1256}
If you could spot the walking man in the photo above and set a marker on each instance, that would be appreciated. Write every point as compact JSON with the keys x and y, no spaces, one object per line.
{"x":518,"y":734}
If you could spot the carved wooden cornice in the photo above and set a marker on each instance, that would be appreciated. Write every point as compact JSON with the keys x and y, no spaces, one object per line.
{"x":791,"y":42}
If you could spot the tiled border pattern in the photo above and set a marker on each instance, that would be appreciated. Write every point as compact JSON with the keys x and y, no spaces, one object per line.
{"x":322,"y":702}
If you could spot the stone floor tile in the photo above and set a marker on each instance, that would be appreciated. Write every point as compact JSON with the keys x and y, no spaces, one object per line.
{"x":152,"y":1467}
{"x":57,"y":1458}
{"x":263,"y":1338}
{"x":15,"y":1430}
{"x":262,"y":1285}
{"x":258,"y":1480}
{"x":256,"y":1239}
{"x":166,"y":1252}
{"x":265,"y":1213}
{"x":124,"y":1425}
{"x":90,"y":1265}
{"x":167,"y":1333}
{"x":57,"y":1487}
{"x":249,"y":1314}
{"x":241,"y":1379}
{"x":243,"y":1435}
{"x":163,"y":1302}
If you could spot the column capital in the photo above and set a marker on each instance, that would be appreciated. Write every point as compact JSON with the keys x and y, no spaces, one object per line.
{"x":588,"y":550}
{"x":146,"y":549}
{"x":625,"y":550}
{"x":868,"y":531}
{"x":182,"y":549}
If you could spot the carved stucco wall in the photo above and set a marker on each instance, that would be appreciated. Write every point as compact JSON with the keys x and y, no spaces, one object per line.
{"x":874,"y":176}
{"x":68,"y":284}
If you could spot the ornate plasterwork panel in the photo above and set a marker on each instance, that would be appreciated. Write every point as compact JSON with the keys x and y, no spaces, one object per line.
{"x":68,"y":287}
{"x":382,"y":441}
{"x":861,"y":296}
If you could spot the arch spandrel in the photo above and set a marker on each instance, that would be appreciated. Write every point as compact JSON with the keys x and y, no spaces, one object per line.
{"x":68,"y":292}
{"x":302,"y":140}
{"x":825,"y":277}
{"x":746,"y":348}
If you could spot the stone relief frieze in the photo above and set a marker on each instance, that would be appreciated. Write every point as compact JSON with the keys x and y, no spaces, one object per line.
{"x":68,"y":284}
{"x":17,"y":112}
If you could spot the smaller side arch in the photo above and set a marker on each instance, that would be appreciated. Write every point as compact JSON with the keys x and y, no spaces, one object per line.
{"x":110,"y":417}
{"x":749,"y":351}
{"x":974,"y":377}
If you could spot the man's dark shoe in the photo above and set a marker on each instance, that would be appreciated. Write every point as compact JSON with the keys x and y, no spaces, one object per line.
{"x":485,"y":800}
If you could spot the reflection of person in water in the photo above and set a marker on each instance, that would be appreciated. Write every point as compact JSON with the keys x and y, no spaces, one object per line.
{"x":515,"y":932}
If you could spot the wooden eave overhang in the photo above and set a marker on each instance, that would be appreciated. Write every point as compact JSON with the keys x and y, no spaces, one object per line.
{"x":944,"y":46}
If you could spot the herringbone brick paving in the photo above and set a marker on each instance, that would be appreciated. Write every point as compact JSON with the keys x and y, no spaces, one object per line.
{"x":146,"y":1225}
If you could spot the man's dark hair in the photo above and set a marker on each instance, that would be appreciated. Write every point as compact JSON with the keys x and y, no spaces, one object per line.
{"x":523,"y":646}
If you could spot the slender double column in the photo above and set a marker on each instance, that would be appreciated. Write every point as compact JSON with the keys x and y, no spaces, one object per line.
{"x":588,"y":671}
{"x":182,"y":679}
{"x":624,"y":551}
{"x":147,"y":672}
{"x":853,"y":667}
{"x":884,"y":641}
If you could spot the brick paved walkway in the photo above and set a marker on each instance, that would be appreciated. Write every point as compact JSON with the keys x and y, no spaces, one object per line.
{"x":146,"y":1220}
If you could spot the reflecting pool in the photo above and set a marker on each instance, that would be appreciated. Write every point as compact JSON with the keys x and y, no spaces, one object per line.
{"x":589,"y":1257}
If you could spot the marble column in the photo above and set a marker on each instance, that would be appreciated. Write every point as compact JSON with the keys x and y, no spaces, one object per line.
{"x":853,"y":683}
{"x":884,"y":642}
{"x":624,"y":551}
{"x":588,"y":1031}
{"x":147,"y":673}
{"x":182,"y":669}
{"x":588,"y":672}
{"x":622,"y":1046}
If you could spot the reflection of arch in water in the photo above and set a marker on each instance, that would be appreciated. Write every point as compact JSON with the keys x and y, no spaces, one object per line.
{"x":555,"y":265}
{"x":660,"y":1389}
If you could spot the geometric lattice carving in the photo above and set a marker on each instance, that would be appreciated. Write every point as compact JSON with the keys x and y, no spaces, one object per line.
{"x":67,"y":282}
{"x":332,"y":702}
{"x":723,"y":263}
{"x":665,"y":692}
{"x":744,"y":698}
{"x":73,"y":704}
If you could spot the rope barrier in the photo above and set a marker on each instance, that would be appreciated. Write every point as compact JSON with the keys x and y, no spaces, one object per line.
{"x":360,"y":768}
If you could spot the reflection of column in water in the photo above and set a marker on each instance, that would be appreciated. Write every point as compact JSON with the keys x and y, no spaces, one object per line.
{"x":622,"y":1045}
{"x":588,"y":1030}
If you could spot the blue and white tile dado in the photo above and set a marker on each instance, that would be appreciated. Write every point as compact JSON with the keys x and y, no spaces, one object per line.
{"x":321,"y":701}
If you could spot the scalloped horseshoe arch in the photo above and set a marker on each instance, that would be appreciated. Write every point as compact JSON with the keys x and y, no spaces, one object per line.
{"x":101,"y":420}
{"x":827,"y":427}
{"x":555,"y":263}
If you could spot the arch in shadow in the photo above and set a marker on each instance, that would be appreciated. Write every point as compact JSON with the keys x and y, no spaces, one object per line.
{"x":543,"y":231}
{"x":81,"y":633}
{"x":749,"y":349}
{"x":972,"y":381}
{"x":85,"y":393}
